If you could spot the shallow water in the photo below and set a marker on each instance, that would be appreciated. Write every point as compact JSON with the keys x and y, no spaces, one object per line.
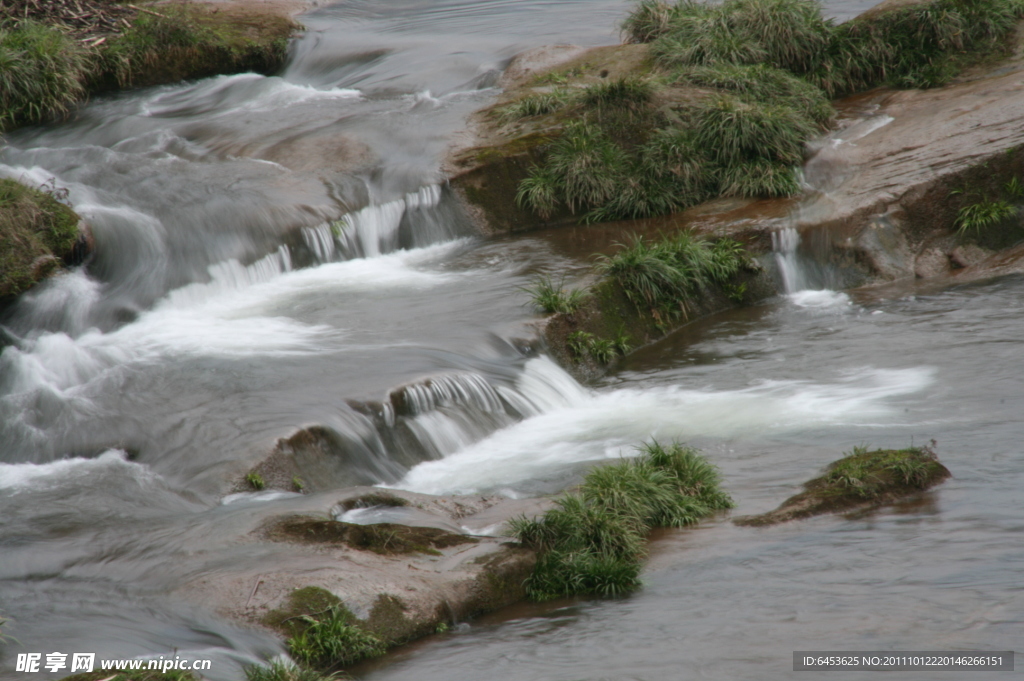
{"x":222,"y":311}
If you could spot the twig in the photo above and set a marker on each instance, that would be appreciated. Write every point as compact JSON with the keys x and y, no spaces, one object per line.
{"x":147,"y":11}
{"x":259,"y":581}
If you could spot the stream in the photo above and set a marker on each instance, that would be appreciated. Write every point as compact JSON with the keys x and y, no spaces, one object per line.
{"x":279,"y":252}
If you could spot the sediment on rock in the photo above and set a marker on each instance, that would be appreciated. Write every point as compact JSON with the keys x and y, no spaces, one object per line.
{"x":860,"y":480}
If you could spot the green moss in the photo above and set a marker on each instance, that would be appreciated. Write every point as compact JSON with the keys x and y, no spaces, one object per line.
{"x":861,"y":478}
{"x":593,"y":542}
{"x":308,"y":601}
{"x":36,"y":232}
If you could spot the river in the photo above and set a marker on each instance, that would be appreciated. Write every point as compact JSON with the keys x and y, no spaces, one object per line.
{"x":222,"y":311}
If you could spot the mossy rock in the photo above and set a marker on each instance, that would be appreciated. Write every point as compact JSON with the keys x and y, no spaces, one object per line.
{"x":382,"y":538}
{"x":859,"y":480}
{"x":37,"y":233}
{"x":308,"y":601}
{"x":373,"y":499}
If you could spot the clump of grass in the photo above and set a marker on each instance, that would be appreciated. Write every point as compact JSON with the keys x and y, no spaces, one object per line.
{"x":628,"y":93}
{"x":42,"y":71}
{"x":285,"y":671}
{"x":255,"y":480}
{"x":582,"y":344}
{"x":538,"y":104}
{"x":552,"y":298}
{"x":762,"y":83}
{"x":593,"y":541}
{"x":976,"y":217}
{"x":735,"y":131}
{"x":667,"y":273}
{"x":332,"y":639}
{"x":648,"y":20}
{"x":1015,"y":188}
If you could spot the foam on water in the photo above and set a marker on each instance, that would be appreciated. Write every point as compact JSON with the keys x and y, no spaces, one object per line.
{"x":824,"y":299}
{"x":241,"y":312}
{"x":609,"y":425}
{"x":20,"y":477}
{"x":224,"y":95}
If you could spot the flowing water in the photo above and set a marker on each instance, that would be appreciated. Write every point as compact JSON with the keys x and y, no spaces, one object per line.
{"x":278,"y":252}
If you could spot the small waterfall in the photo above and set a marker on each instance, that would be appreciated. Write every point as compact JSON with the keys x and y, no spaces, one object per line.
{"x":430,"y":419}
{"x":784,"y":244}
{"x":375,"y":230}
{"x":800,"y":279}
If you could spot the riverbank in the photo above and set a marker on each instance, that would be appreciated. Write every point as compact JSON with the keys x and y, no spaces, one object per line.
{"x":61,"y":54}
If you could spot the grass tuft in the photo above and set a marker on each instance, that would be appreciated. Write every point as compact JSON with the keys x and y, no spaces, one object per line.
{"x":42,"y":72}
{"x":285,"y":671}
{"x":976,"y":217}
{"x":666,"y":274}
{"x":648,"y":21}
{"x":332,"y":639}
{"x":553,"y":298}
{"x":538,"y":104}
{"x":593,"y":542}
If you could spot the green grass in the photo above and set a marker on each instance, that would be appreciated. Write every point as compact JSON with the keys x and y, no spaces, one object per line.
{"x":667,"y":274}
{"x":582,"y":344}
{"x":550,"y":297}
{"x":868,"y":475}
{"x":285,"y":671}
{"x":648,"y":20}
{"x":628,"y":93}
{"x":593,"y":542}
{"x":42,"y":73}
{"x":771,"y":67}
{"x":332,"y":639}
{"x":761,"y":83}
{"x":1014,"y":188}
{"x":538,"y":104}
{"x":255,"y":480}
{"x":735,"y":131}
{"x":976,"y":217}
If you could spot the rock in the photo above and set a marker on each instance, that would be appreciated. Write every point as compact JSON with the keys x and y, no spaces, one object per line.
{"x":967,"y":255}
{"x":931,"y":263}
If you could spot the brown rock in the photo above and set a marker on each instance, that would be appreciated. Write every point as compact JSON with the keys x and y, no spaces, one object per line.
{"x":931,"y":263}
